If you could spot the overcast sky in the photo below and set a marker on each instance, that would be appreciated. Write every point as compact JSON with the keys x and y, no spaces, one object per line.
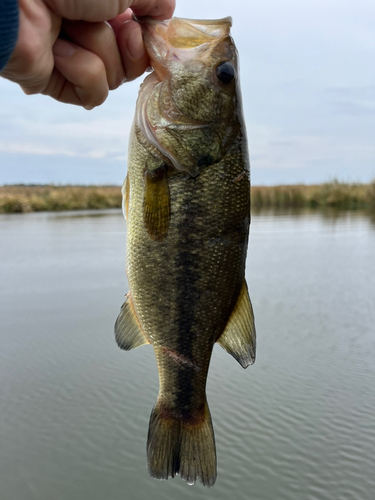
{"x":308,"y":85}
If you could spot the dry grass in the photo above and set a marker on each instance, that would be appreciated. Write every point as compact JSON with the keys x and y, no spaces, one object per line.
{"x":333,"y":194}
{"x":56,"y":198}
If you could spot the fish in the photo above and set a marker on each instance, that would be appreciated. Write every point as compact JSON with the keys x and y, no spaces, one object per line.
{"x":186,"y":201}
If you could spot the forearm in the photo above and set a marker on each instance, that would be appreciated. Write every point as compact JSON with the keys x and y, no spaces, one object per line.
{"x":8,"y":29}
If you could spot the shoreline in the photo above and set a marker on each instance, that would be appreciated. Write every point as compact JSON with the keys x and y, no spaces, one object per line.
{"x":54,"y":198}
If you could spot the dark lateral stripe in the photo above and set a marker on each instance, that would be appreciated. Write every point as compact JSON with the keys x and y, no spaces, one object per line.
{"x":187,"y":299}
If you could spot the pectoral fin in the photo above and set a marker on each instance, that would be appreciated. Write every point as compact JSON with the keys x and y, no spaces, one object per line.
{"x":156,"y":205}
{"x":128,"y":333}
{"x":239,"y":338}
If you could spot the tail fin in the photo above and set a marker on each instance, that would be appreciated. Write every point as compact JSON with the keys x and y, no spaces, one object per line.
{"x":175,"y":446}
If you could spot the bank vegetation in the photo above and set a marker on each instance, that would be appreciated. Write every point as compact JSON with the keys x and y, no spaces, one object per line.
{"x":340,"y":195}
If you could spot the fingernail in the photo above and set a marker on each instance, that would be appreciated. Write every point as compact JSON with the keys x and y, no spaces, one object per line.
{"x":118,"y":83}
{"x":83,"y":97}
{"x":135,"y":44}
{"x":62,"y":48}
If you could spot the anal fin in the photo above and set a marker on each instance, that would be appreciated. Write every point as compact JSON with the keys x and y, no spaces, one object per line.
{"x":128,"y":333}
{"x":239,"y":336}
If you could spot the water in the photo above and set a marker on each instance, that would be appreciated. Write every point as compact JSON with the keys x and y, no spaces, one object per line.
{"x":298,"y":425}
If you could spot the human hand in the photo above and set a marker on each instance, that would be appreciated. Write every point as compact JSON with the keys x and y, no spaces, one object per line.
{"x":76,"y":51}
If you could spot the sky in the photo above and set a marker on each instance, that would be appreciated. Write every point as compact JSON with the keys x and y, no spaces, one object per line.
{"x":308,"y":87}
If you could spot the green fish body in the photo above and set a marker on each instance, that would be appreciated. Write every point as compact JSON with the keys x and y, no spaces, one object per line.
{"x":187,"y":205}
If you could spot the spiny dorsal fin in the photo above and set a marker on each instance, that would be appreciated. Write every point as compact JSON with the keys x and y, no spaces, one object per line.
{"x":156,"y":204}
{"x":239,"y":338}
{"x":128,"y":333}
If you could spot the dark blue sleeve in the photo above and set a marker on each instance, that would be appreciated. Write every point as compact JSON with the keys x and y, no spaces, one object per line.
{"x":8,"y":29}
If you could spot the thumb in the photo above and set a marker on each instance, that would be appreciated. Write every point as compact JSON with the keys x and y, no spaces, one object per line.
{"x":104,"y":10}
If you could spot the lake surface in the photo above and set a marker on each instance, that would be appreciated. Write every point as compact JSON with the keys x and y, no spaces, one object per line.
{"x":74,"y":409}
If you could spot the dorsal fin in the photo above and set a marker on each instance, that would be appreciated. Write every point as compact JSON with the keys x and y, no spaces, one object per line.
{"x":239,"y":337}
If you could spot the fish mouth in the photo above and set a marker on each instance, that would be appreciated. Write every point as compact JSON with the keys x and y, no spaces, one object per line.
{"x":181,"y":39}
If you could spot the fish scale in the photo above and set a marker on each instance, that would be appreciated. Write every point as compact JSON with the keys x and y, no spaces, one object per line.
{"x":187,"y":222}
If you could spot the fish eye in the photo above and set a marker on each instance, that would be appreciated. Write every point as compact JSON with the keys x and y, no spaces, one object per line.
{"x":225,"y":72}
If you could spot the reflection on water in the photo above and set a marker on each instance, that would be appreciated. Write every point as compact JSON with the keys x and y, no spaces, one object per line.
{"x":74,"y":409}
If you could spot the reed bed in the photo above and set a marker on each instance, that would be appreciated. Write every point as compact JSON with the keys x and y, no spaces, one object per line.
{"x":27,"y":198}
{"x":340,"y":195}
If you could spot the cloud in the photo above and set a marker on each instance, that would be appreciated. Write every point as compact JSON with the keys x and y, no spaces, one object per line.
{"x":271,"y":148}
{"x":354,"y":101}
{"x":97,"y":138}
{"x":37,"y":125}
{"x":357,"y":92}
{"x":307,"y":86}
{"x":353,"y":109}
{"x":32,"y":149}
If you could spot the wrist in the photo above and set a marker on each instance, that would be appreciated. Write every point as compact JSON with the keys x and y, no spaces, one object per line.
{"x":8,"y":29}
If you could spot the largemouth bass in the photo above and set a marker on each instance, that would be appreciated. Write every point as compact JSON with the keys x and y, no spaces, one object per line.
{"x":186,"y":199}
